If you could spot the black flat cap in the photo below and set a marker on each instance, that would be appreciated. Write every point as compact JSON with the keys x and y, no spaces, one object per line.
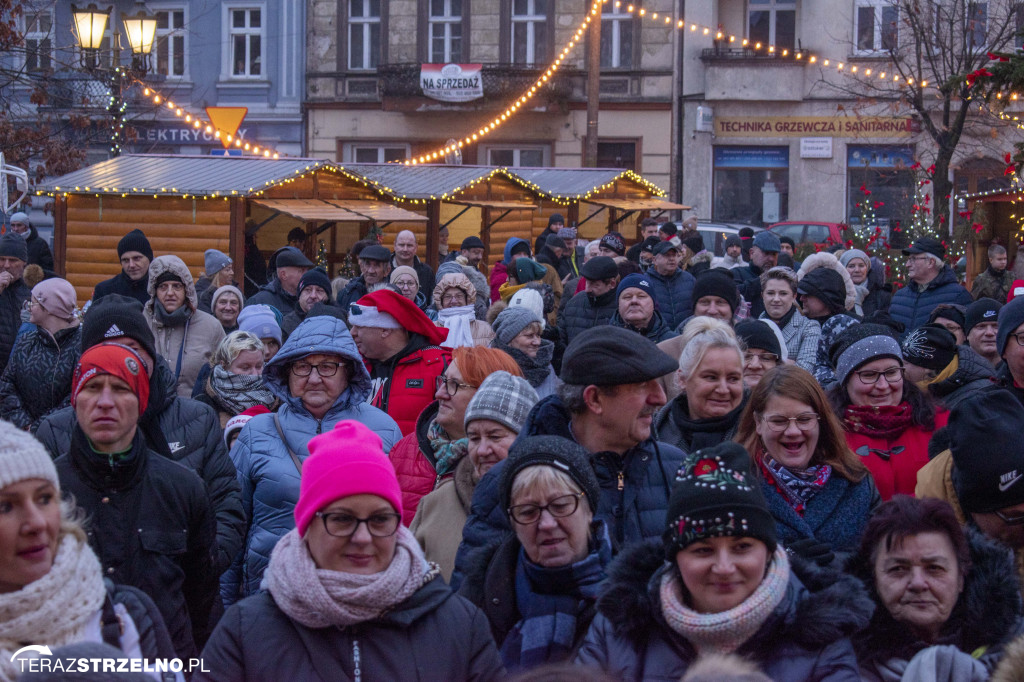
{"x":289,"y":256}
{"x":612,"y":356}
{"x":599,"y":268}
{"x":375,"y":252}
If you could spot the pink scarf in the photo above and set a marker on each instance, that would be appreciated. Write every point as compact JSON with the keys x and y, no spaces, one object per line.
{"x":318,"y":598}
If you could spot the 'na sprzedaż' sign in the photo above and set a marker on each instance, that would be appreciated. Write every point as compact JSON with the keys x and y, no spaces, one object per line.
{"x":452,"y":82}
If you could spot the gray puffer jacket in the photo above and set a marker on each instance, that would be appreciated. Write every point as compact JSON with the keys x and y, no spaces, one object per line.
{"x":266,"y":472}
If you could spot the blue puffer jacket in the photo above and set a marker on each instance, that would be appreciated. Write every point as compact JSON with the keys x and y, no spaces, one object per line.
{"x":633,"y":513}
{"x":673,"y":295}
{"x":266,"y":472}
{"x":912,"y":305}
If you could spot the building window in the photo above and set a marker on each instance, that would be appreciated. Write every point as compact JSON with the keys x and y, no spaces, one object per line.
{"x":38,"y":41}
{"x":445,"y":31}
{"x":751,"y":184}
{"x":772,"y":22}
{"x":373,"y":152}
{"x":246,"y":42}
{"x":617,"y":154}
{"x":530,"y":28}
{"x":885,"y":171}
{"x":877,"y":26}
{"x":363,"y":34}
{"x":522,"y":156}
{"x":171,"y":48}
{"x":617,"y":28}
{"x":977,"y":25}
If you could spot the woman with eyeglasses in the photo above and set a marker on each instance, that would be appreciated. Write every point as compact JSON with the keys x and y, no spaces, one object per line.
{"x":888,"y":420}
{"x":778,"y":291}
{"x":431,"y":453}
{"x":405,"y":279}
{"x":818,"y":491}
{"x":37,"y":379}
{"x":538,"y":587}
{"x":712,"y":394}
{"x":235,"y":382}
{"x":348,"y":594}
{"x":455,"y":302}
{"x":762,"y":342}
{"x":320,"y":380}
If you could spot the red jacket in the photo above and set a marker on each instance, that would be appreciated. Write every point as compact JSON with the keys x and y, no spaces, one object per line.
{"x":499,"y":275}
{"x":413,"y":460}
{"x":895,"y":473}
{"x":410,"y":387}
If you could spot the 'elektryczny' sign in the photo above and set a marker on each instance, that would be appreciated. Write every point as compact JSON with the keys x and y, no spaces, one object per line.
{"x":452,"y":82}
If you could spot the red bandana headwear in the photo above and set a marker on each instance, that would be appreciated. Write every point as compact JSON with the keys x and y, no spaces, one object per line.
{"x":115,"y":360}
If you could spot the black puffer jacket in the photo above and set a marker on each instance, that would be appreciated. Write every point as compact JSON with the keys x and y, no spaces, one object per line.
{"x":122,"y":284}
{"x":986,"y":617}
{"x":39,"y":251}
{"x":973,"y":373}
{"x":38,"y":376}
{"x":673,"y":425}
{"x":154,"y":639}
{"x":584,"y":311}
{"x":275,"y":295}
{"x":151,"y":526}
{"x":187,"y":432}
{"x":657,"y":331}
{"x":11,"y":300}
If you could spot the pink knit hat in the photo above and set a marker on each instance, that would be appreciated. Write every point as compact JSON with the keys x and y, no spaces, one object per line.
{"x":348,"y":460}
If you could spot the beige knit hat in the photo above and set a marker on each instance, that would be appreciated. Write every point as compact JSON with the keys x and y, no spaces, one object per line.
{"x":23,"y":457}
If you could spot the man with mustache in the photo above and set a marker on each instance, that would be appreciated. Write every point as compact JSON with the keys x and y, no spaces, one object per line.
{"x":606,"y":404}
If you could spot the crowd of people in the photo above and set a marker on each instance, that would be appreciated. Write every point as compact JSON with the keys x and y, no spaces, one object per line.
{"x":589,"y":461}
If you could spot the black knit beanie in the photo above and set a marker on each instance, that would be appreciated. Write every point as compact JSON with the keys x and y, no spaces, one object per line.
{"x":931,"y":346}
{"x":715,"y":495}
{"x":167,"y":276}
{"x":717,"y":283}
{"x":135,"y":241}
{"x":113,"y":316}
{"x":558,"y":453}
{"x":983,"y":310}
{"x":757,"y":334}
{"x":826,"y":285}
{"x":988,"y":457}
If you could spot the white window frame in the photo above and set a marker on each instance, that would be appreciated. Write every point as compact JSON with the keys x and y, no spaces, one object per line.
{"x":878,"y":7}
{"x":484,"y":155}
{"x":349,"y":150}
{"x":229,"y":32}
{"x":614,"y":21}
{"x":167,"y":34}
{"x":365,"y":24}
{"x":531,"y":21}
{"x":444,"y":22}
{"x":39,"y":36}
{"x":773,"y":7}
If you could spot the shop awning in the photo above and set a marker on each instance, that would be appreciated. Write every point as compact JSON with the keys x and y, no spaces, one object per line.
{"x":644,"y":204}
{"x":497,"y":204}
{"x":340,"y":210}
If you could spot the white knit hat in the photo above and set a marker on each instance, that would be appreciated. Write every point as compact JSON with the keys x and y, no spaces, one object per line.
{"x":23,"y":457}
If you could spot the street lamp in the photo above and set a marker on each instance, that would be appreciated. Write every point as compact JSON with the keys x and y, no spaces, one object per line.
{"x":90,"y":24}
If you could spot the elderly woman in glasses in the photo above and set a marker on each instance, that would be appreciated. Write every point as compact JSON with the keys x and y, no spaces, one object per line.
{"x":348,"y":594}
{"x":431,"y":452}
{"x":320,"y":380}
{"x":818,"y":491}
{"x":539,"y":586}
{"x":888,"y":420}
{"x":405,"y":279}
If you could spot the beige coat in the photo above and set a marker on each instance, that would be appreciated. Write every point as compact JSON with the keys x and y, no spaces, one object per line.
{"x":441,"y":516}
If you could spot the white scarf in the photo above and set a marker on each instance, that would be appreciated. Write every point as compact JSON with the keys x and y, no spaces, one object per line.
{"x":458,"y":322}
{"x":54,"y":610}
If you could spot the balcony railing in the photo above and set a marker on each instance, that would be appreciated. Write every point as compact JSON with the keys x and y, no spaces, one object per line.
{"x":500,"y":81}
{"x":714,"y":54}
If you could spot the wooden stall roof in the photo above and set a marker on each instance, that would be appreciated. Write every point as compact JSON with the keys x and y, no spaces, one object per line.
{"x":573,"y":184}
{"x":341,"y":210}
{"x":172,"y":175}
{"x":424,"y":182}
{"x":497,"y":203}
{"x":649,"y":204}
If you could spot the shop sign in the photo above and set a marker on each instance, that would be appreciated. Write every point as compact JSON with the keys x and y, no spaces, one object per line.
{"x":182,"y":135}
{"x":817,"y":126}
{"x":751,"y":157}
{"x":452,"y":82}
{"x":815,"y":147}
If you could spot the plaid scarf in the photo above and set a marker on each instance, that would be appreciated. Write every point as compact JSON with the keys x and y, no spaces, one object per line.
{"x":447,"y":452}
{"x":884,"y":421}
{"x":550,"y":603}
{"x":798,"y":487}
{"x":236,"y":393}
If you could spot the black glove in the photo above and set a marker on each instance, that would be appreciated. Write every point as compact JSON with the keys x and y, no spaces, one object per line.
{"x":812,"y":550}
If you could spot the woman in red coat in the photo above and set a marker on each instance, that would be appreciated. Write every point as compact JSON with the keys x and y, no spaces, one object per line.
{"x":429,"y":454}
{"x":888,"y":420}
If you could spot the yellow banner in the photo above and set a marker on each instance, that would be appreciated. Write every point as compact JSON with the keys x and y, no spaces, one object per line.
{"x":815,"y":126}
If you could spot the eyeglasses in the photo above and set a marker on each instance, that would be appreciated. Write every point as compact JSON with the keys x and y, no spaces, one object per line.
{"x":779,"y":423}
{"x":920,"y":257}
{"x":893,"y":375}
{"x":452,"y":298}
{"x":405,"y":284}
{"x":527,"y":514}
{"x":451,"y":386}
{"x":1019,"y":337}
{"x":342,"y":525}
{"x":324,"y":369}
{"x":31,"y":303}
{"x":766,"y":359}
{"x":170,"y":286}
{"x":1010,"y":520}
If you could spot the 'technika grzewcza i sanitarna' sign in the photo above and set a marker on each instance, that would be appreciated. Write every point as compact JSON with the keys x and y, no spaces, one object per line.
{"x":452,"y":82}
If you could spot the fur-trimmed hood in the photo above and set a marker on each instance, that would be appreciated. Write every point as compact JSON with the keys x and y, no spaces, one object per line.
{"x":453,"y":280}
{"x":820,"y":607}
{"x":823,"y":259}
{"x":988,"y":613}
{"x":176,"y":266}
{"x":704,"y":256}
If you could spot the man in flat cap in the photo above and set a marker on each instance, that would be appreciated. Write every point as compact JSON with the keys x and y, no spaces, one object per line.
{"x":930,"y":282}
{"x":607,"y":402}
{"x":374,"y":268}
{"x":289,"y":265}
{"x":596,"y":304}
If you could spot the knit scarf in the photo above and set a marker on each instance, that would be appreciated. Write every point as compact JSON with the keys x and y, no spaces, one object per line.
{"x":238,"y":392}
{"x":784,"y":320}
{"x":550,"y":601}
{"x":54,"y":610}
{"x":862,"y":293}
{"x":447,"y":452}
{"x":797,"y":486}
{"x":884,"y":421}
{"x":702,"y":433}
{"x":319,"y":598}
{"x":726,"y":631}
{"x":176,"y":319}
{"x":536,"y":370}
{"x":457,"y":321}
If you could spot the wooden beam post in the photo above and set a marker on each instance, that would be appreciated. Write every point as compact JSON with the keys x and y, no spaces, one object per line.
{"x":433,"y":230}
{"x":236,"y":236}
{"x":60,"y":234}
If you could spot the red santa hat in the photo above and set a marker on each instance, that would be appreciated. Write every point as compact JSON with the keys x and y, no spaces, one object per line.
{"x":389,"y":310}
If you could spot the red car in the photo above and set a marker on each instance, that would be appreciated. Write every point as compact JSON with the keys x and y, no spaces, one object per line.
{"x":807,"y":232}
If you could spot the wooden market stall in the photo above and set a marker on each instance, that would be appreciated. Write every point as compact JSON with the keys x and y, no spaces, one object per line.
{"x":996,"y":211}
{"x":187,"y":204}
